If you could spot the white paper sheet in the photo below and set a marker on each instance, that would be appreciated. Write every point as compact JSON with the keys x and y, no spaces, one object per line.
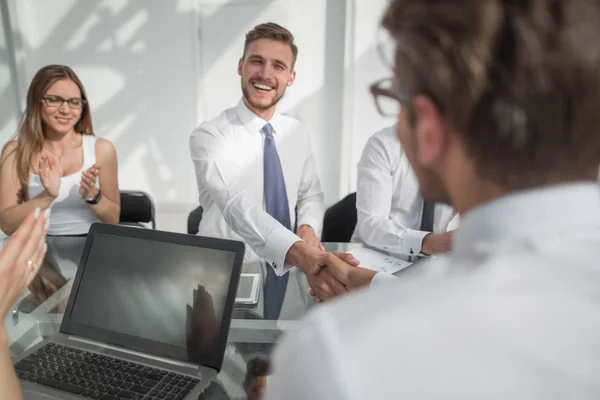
{"x":377,"y":261}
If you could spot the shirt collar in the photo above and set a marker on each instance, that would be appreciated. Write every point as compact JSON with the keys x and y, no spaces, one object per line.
{"x":253,"y":122}
{"x":531,"y":213}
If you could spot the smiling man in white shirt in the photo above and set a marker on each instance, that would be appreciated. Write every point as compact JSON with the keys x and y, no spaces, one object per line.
{"x":499,"y":116}
{"x":392,"y":215}
{"x":255,"y":168}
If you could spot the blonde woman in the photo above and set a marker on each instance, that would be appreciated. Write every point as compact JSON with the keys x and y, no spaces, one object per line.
{"x":56,"y":161}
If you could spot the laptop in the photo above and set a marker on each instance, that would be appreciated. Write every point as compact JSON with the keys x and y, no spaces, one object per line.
{"x":147,"y":318}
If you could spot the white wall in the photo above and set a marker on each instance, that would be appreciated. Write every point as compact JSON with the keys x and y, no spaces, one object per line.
{"x":154,"y":69}
{"x":367,"y":67}
{"x":9,"y":93}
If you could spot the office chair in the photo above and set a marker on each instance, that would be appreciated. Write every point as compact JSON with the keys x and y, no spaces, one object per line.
{"x":137,"y":207}
{"x":340,"y":220}
{"x":194,"y":219}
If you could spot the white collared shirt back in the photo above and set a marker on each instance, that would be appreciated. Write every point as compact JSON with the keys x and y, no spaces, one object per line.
{"x":513,"y":313}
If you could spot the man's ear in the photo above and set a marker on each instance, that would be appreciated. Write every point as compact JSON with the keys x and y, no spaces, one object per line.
{"x":292,"y":78}
{"x":240,"y":63}
{"x":430,"y":130}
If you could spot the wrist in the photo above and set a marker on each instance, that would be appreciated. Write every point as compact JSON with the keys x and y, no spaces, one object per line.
{"x":46,"y":195}
{"x":298,"y":255}
{"x":95,"y":199}
{"x":91,"y":194}
{"x":426,"y":245}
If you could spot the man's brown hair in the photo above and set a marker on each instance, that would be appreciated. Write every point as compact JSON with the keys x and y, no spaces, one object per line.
{"x":273,"y":31}
{"x":518,"y":80}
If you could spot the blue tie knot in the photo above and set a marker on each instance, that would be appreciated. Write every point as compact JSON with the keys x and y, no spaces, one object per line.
{"x":268,"y":129}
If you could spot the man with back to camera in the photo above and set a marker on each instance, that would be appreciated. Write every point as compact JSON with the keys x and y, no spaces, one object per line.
{"x":503,"y":126}
{"x":254,"y":167}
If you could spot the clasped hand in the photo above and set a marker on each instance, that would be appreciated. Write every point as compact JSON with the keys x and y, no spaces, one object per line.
{"x":334,"y":274}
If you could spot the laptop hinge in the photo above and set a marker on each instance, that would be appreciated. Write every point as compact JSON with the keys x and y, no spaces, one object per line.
{"x":133,"y":352}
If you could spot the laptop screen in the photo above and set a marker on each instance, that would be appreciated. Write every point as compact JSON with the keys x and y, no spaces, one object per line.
{"x":154,"y":293}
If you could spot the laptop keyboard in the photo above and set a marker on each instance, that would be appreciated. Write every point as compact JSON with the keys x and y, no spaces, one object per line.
{"x":101,"y":377}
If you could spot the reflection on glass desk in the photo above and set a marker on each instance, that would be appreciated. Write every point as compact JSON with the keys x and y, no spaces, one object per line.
{"x":39,"y":312}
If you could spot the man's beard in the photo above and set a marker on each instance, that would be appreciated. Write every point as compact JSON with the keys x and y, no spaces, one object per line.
{"x":260,"y":106}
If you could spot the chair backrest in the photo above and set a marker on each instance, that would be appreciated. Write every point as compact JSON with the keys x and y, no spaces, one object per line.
{"x":340,"y":220}
{"x":136,"y":207}
{"x":194,"y":219}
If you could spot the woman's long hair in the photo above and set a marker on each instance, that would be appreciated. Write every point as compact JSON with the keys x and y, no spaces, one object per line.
{"x":30,"y":137}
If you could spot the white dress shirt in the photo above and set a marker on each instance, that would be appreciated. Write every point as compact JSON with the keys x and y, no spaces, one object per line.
{"x":512,"y":313}
{"x":228,"y":157}
{"x":388,"y":203}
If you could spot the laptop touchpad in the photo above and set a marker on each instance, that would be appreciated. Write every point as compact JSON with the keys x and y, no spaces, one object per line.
{"x":29,"y":395}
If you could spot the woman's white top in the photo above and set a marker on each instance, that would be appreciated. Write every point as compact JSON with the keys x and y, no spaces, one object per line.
{"x":70,"y":214}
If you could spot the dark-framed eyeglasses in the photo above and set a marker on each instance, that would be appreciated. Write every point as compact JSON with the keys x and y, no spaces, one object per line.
{"x":388,"y":97}
{"x":75,"y":103}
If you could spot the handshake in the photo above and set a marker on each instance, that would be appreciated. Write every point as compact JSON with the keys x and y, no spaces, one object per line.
{"x":328,"y":274}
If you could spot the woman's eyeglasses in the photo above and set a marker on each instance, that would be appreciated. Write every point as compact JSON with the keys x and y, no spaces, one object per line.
{"x":75,"y":103}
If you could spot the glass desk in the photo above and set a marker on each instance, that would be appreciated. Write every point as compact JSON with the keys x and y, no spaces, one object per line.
{"x":39,"y":312}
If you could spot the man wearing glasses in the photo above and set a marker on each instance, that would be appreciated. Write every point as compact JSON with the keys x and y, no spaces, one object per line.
{"x":500,"y":107}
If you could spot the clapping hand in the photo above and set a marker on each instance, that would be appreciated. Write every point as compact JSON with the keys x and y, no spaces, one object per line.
{"x":21,"y":258}
{"x":87,"y":187}
{"x":50,"y":172}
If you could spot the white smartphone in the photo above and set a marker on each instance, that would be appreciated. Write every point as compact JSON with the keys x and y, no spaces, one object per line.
{"x":248,"y":289}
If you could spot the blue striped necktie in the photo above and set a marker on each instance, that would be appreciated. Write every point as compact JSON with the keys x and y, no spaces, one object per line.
{"x":277,"y":206}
